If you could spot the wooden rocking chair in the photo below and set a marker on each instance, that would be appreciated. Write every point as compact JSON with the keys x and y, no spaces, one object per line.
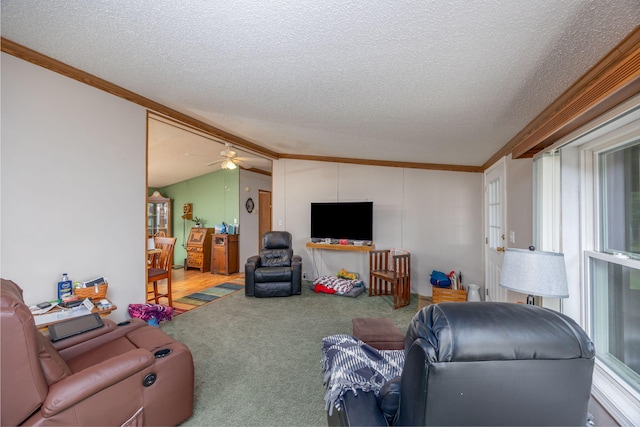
{"x":390,"y":274}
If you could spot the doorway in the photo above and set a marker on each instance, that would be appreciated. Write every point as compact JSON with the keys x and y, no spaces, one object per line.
{"x":495,"y":210}
{"x":264,"y":214}
{"x":182,"y":161}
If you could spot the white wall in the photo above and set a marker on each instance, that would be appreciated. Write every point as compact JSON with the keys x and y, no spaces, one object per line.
{"x":250,"y":184}
{"x":73,"y":196}
{"x":436,"y":215}
{"x":73,"y":185}
{"x":519,"y":211}
{"x":519,"y":202}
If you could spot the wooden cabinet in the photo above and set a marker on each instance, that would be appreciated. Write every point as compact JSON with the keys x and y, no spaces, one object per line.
{"x":224,"y":254}
{"x":158,"y":215}
{"x":199,"y":249}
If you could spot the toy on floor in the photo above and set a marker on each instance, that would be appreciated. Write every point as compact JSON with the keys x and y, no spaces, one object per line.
{"x":344,"y":274}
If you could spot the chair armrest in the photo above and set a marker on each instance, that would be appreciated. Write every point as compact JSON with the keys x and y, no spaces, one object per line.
{"x":389,"y":398}
{"x":77,"y":387}
{"x":296,"y":274}
{"x":249,"y":274}
{"x":79,"y":344}
{"x":358,"y":410}
{"x":254,"y":260}
{"x":109,"y":326}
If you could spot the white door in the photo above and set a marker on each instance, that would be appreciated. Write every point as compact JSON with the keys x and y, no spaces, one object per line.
{"x":495,"y":209}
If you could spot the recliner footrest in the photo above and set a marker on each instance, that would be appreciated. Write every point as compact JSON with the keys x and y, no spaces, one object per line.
{"x":380,"y":333}
{"x":273,"y":274}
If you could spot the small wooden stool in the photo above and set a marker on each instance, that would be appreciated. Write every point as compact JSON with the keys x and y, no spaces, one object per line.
{"x":380,"y":333}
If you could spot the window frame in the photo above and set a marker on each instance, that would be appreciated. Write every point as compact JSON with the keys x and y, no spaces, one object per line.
{"x":578,"y":239}
{"x":617,"y":396}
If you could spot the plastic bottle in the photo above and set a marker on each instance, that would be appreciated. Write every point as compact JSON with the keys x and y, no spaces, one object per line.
{"x":65,"y":287}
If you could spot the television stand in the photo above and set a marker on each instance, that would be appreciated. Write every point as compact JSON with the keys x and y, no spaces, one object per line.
{"x":339,"y":247}
{"x":356,"y":250}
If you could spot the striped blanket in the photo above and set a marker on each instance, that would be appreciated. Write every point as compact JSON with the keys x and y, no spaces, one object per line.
{"x":335,"y":285}
{"x":350,"y":364}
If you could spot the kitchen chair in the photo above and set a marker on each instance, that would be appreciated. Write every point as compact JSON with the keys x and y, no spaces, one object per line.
{"x":161,"y":269}
{"x":390,"y":274}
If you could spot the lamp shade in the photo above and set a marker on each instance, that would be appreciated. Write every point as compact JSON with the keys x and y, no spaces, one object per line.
{"x":535,"y":273}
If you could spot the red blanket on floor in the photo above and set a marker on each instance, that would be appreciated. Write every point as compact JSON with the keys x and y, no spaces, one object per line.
{"x":334,"y":285}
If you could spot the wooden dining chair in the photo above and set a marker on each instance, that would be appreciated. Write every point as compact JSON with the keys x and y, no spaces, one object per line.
{"x":390,"y":274}
{"x":161,"y":269}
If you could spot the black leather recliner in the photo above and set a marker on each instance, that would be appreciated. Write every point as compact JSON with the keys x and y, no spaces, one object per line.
{"x":276,"y":272}
{"x":483,"y":364}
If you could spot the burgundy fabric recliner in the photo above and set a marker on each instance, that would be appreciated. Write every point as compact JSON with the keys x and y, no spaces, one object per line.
{"x":114,"y":375}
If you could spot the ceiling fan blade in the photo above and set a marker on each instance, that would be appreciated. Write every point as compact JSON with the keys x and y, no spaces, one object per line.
{"x":228,"y":153}
{"x":253,"y":160}
{"x":217,"y":161}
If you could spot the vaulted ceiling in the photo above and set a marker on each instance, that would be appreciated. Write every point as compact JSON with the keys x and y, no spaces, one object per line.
{"x":433,"y":82}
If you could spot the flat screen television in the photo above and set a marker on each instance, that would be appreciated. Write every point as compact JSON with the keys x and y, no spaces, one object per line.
{"x":342,"y":220}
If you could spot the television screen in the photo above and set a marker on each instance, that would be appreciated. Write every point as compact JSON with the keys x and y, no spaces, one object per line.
{"x":342,"y":220}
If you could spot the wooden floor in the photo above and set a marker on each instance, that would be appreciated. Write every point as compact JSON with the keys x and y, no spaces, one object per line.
{"x":187,"y":282}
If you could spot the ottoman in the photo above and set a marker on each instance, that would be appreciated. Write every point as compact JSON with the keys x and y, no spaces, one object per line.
{"x":380,"y":333}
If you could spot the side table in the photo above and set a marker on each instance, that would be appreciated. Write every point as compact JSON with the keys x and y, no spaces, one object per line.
{"x":58,"y":314}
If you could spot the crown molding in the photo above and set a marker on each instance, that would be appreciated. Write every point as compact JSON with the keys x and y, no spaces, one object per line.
{"x":56,"y":66}
{"x":29,"y":55}
{"x":387,"y":163}
{"x":613,"y":80}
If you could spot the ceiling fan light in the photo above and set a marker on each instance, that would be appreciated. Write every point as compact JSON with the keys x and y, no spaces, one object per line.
{"x":228,"y":164}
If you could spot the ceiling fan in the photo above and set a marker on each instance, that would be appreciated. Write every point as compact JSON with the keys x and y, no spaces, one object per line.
{"x":230,"y":159}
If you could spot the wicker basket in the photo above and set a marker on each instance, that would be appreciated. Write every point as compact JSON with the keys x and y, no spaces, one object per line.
{"x":93,"y":292}
{"x":448,"y":295}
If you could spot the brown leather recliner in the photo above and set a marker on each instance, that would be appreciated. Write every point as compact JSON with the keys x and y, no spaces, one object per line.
{"x":114,"y":375}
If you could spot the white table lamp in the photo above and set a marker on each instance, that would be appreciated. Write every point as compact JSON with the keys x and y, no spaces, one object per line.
{"x":534,"y":272}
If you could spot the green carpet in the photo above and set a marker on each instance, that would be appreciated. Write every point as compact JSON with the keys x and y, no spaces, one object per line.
{"x":257,"y":360}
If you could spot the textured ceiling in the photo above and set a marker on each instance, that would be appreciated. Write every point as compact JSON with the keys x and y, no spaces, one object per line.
{"x":447,"y":82}
{"x":177,"y":153}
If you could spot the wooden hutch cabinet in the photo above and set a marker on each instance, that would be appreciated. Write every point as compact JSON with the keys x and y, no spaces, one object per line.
{"x":199,"y":249}
{"x":224,"y":254}
{"x":158,"y":215}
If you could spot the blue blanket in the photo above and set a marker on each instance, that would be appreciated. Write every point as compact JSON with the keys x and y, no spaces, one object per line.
{"x":350,"y":364}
